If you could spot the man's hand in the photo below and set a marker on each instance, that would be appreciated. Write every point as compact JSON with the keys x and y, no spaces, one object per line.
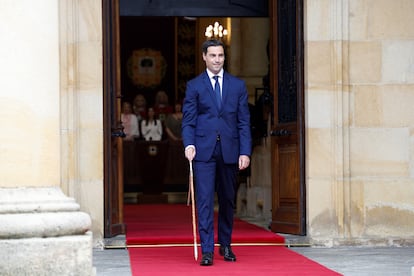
{"x":244,"y":162}
{"x":190,"y":152}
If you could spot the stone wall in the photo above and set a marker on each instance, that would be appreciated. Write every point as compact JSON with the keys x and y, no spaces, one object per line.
{"x":51,"y":110}
{"x":359,"y":82}
{"x":81,"y":114}
{"x":29,"y":97}
{"x":359,"y":78}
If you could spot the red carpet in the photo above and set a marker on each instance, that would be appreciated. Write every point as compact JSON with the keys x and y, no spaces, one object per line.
{"x":251,"y":261}
{"x":171,"y":224}
{"x":160,"y":242}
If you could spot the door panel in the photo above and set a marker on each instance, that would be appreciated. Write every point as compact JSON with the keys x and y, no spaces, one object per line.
{"x":287,"y":134}
{"x":113,"y":131}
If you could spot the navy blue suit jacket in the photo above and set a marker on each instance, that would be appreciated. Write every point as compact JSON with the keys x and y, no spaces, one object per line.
{"x":203,"y":120}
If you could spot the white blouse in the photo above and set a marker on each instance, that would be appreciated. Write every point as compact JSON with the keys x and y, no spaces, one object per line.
{"x":130,"y":124}
{"x":151,"y":131}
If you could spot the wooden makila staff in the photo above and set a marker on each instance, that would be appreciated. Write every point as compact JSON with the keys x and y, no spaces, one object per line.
{"x":191,"y":192}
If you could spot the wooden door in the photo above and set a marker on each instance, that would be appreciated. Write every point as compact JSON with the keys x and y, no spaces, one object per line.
{"x":113,"y":130}
{"x":287,"y":134}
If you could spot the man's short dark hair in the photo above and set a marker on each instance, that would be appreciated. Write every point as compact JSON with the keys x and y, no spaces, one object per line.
{"x":211,"y":42}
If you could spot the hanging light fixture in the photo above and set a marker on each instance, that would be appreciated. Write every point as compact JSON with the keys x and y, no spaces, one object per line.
{"x":216,"y":31}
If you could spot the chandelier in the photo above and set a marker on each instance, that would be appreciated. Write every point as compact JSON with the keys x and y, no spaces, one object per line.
{"x":216,"y":31}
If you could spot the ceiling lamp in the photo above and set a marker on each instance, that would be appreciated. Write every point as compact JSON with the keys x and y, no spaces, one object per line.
{"x":216,"y":31}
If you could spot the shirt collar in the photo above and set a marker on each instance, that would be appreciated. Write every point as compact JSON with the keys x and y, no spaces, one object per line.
{"x":211,"y":75}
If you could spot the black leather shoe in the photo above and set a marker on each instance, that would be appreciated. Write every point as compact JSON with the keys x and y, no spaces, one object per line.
{"x":227,"y":253}
{"x":207,"y":259}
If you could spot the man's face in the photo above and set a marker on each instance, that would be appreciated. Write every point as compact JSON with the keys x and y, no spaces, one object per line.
{"x":214,"y":58}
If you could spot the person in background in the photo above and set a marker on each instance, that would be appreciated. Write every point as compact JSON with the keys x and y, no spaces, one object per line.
{"x":162,"y":106}
{"x":173,"y":123}
{"x":151,"y":128}
{"x":216,"y":136}
{"x":140,"y":107}
{"x":129,"y":122}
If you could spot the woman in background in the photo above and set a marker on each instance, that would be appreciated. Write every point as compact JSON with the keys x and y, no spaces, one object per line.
{"x":173,"y":123}
{"x":151,"y":128}
{"x":129,"y":122}
{"x":162,"y":107}
{"x":140,"y":107}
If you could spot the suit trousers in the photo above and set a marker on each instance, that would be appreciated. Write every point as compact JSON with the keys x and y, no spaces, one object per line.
{"x":214,"y":176}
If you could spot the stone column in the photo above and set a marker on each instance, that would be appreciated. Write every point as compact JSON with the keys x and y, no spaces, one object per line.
{"x":42,"y":232}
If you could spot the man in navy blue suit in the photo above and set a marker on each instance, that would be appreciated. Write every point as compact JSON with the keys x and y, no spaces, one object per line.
{"x":217,"y":139}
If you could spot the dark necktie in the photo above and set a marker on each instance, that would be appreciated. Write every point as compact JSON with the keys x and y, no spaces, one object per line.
{"x":217,"y":91}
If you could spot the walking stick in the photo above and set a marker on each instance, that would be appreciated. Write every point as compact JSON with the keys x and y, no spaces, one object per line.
{"x":191,"y":193}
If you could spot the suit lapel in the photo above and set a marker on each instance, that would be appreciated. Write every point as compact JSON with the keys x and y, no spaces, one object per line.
{"x":224,"y":89}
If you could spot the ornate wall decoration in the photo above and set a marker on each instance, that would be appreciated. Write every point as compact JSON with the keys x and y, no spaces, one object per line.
{"x":146,"y":68}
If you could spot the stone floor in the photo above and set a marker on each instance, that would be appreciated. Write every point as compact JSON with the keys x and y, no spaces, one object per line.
{"x":110,"y":262}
